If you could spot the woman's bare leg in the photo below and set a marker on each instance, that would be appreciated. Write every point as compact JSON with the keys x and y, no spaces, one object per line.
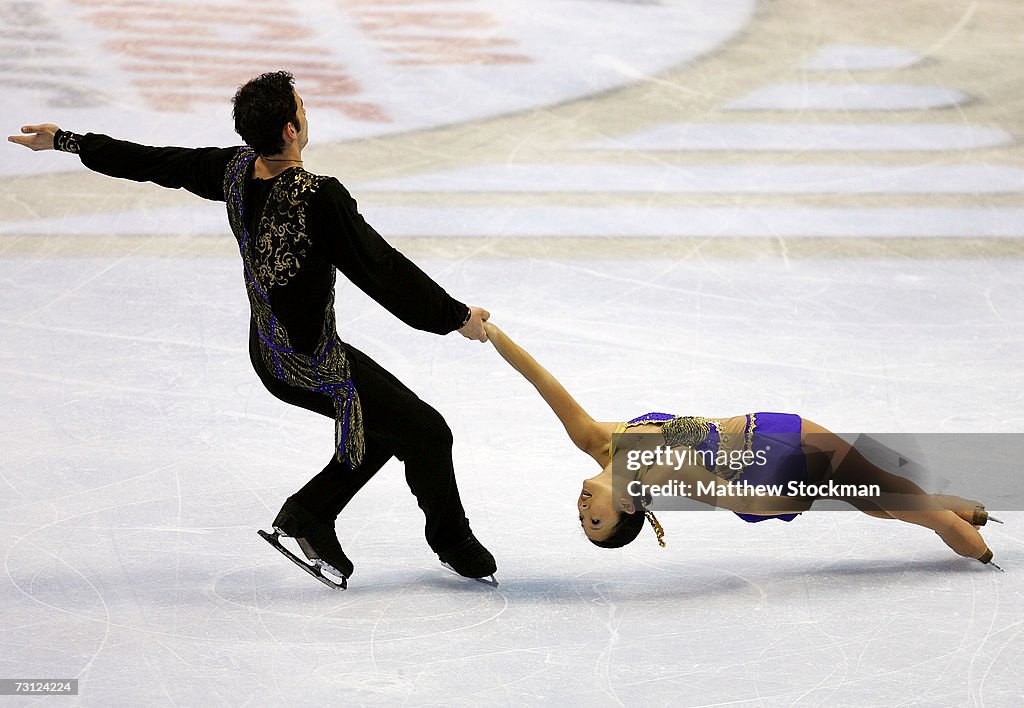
{"x":973,"y":512}
{"x":900,"y":499}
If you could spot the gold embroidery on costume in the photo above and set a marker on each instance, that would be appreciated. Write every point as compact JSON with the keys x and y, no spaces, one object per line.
{"x":751,"y":424}
{"x":694,"y":431}
{"x":282,"y":240}
{"x":270,"y":259}
{"x":687,"y":431}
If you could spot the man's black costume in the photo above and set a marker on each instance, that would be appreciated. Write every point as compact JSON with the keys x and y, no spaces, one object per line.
{"x":294,"y":231}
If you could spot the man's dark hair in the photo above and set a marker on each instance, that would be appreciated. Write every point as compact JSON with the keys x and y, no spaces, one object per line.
{"x":625,"y":531}
{"x":262,"y":108}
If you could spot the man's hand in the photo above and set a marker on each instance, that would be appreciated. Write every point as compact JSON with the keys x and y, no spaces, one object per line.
{"x":474,"y":329}
{"x":36,"y":137}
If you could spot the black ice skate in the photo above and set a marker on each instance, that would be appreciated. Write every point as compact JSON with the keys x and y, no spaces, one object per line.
{"x":318,"y":542}
{"x":470,"y":560}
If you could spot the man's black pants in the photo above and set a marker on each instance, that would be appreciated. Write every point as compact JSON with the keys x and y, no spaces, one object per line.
{"x":396,"y":423}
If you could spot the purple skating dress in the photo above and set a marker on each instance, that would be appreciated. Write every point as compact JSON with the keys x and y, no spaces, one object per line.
{"x":775,"y":436}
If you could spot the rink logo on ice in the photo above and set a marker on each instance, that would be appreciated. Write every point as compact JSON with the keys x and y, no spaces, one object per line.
{"x":365,"y":67}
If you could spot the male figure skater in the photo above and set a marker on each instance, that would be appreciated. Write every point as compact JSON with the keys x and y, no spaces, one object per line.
{"x":294,"y":230}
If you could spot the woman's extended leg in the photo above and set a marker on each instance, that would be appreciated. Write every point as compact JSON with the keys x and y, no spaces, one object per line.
{"x":973,"y":512}
{"x":834,"y":459}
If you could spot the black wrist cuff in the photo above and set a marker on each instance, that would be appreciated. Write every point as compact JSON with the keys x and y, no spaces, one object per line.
{"x":66,"y":141}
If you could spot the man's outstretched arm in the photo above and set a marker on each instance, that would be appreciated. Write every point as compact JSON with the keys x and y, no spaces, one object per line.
{"x":199,"y":170}
{"x":384,"y":273}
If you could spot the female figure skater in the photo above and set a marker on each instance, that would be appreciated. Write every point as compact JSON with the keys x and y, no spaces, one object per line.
{"x":753,"y":449}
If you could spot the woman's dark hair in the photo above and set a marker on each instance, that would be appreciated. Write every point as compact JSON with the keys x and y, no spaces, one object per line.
{"x":262,"y":108}
{"x":627,"y":529}
{"x":628,"y":525}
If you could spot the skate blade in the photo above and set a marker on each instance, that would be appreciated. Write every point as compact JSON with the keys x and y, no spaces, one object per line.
{"x":982,"y":517}
{"x":315,"y":570}
{"x":492,"y":581}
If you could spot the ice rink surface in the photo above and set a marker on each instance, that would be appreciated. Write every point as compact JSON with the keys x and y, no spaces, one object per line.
{"x":737,"y":206}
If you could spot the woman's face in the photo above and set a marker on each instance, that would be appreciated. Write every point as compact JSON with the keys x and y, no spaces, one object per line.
{"x":599,"y":510}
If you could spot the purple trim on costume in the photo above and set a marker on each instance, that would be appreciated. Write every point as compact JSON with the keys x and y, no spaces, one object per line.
{"x":344,"y":426}
{"x":241,"y":214}
{"x":330,"y":388}
{"x":275,"y":347}
{"x":238,"y":197}
{"x":241,"y":164}
{"x":651,"y":418}
{"x":277,"y":358}
{"x":316,"y":372}
{"x":346,"y":400}
{"x":245,"y":232}
{"x":252,"y":278}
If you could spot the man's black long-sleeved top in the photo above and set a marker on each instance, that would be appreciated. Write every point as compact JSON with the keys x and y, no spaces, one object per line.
{"x":335,"y":236}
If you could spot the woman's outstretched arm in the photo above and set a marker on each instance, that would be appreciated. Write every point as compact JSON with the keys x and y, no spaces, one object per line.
{"x":585,"y":433}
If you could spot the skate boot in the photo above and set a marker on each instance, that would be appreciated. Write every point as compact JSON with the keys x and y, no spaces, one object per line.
{"x":470,"y":560}
{"x":318,"y":542}
{"x":980,"y":517}
{"x":986,"y":558}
